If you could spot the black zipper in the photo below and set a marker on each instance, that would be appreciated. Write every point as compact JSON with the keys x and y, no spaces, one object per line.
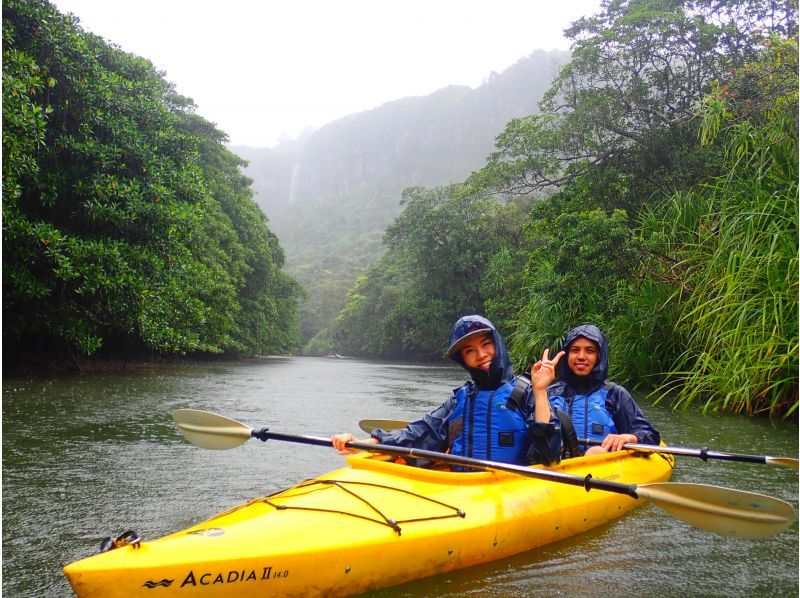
{"x":489,"y":427}
{"x":469,"y":419}
{"x":585,"y":416}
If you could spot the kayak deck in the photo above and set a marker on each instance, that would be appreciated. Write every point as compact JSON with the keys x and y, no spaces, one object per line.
{"x":372,"y":524}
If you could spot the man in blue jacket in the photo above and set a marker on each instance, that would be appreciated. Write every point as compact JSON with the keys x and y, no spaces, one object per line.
{"x":600,"y":410}
{"x":485,"y":418}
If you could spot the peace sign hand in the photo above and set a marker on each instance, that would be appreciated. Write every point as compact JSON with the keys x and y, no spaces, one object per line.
{"x":543,"y":372}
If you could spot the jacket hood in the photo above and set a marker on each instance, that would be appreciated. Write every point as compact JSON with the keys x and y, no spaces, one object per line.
{"x":600,"y":370}
{"x":500,"y":370}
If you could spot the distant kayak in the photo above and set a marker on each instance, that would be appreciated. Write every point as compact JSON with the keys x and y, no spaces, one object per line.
{"x":335,"y":356}
{"x":372,"y":524}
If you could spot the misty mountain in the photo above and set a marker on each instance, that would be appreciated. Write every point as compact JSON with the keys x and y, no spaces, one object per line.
{"x":330,"y":195}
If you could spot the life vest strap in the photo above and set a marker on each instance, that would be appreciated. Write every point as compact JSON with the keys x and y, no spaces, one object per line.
{"x":521,"y":385}
{"x":571,"y":448}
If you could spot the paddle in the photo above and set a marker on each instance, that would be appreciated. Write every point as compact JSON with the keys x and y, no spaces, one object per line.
{"x":721,"y":510}
{"x":368,"y":425}
{"x":704,"y":453}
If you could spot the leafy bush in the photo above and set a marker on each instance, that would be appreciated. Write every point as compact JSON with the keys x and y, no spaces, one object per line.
{"x":126,"y":222}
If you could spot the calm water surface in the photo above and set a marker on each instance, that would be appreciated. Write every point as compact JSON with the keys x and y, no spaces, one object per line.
{"x":85,"y":457}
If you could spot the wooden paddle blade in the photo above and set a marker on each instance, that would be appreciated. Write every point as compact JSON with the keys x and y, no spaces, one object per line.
{"x":721,"y":510}
{"x":209,"y":430}
{"x":368,"y":425}
{"x":782,"y":462}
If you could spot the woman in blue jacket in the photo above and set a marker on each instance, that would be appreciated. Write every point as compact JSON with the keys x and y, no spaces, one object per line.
{"x":600,"y":410}
{"x":485,"y":418}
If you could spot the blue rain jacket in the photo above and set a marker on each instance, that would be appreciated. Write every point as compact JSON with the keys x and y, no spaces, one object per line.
{"x":432,"y":431}
{"x":571,"y":391}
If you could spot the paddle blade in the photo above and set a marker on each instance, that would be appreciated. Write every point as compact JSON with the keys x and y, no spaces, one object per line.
{"x":721,"y":510}
{"x":368,"y":425}
{"x":209,"y":430}
{"x":782,"y":462}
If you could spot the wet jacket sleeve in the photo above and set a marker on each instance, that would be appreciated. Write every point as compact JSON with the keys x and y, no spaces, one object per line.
{"x":428,"y":433}
{"x":628,"y":417}
{"x":546,"y":441}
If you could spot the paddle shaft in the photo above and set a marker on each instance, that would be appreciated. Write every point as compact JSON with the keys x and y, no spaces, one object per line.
{"x":368,"y":425}
{"x":587,"y":482}
{"x":703,"y":453}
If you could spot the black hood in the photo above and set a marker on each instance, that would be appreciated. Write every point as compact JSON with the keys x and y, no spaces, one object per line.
{"x":600,"y":370}
{"x":500,"y":370}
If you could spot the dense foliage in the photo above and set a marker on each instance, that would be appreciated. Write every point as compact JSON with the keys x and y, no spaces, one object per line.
{"x":654,"y":193}
{"x":732,"y":247}
{"x":127,"y":225}
{"x":668,"y":150}
{"x":439,"y":249}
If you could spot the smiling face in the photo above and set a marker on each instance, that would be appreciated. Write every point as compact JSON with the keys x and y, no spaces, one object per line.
{"x":478,"y":351}
{"x":582,"y":356}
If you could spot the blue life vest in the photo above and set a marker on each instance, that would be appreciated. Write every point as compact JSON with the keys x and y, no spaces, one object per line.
{"x":485,"y":424}
{"x":590,"y":417}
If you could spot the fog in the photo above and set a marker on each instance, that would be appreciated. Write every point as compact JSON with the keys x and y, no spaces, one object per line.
{"x":266,"y":71}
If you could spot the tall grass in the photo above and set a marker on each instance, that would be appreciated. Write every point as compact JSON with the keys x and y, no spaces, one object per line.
{"x":737,"y":242}
{"x":644,"y":337}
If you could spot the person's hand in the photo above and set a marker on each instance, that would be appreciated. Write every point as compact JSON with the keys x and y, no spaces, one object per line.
{"x":543,"y":372}
{"x":340,"y":440}
{"x":614,"y":442}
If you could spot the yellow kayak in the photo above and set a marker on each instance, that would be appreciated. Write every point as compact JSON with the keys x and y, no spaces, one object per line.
{"x":372,"y":524}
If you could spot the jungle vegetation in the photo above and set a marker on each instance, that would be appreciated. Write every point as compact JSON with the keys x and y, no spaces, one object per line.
{"x":652,"y":191}
{"x":128,"y":227}
{"x":666,"y":150}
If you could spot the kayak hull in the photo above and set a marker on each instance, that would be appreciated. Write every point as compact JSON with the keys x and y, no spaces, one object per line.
{"x":369,"y":525}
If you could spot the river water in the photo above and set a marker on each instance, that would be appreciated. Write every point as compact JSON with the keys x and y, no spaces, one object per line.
{"x":85,"y":457}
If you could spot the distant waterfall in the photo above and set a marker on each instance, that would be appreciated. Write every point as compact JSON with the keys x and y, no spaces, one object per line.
{"x":293,"y":186}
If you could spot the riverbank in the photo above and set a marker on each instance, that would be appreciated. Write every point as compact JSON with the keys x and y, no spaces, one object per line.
{"x":33,"y":365}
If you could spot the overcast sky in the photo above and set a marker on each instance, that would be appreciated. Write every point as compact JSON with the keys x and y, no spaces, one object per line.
{"x":264,"y":70}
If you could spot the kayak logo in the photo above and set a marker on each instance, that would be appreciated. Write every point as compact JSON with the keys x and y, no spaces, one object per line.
{"x":154,"y":584}
{"x":210,"y":578}
{"x":209,"y":532}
